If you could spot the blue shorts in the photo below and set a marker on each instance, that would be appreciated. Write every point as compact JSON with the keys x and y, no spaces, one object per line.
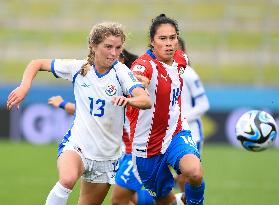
{"x":125,"y":175}
{"x":154,"y":171}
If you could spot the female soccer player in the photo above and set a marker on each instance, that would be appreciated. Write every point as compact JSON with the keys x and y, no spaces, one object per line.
{"x":159,"y":140}
{"x":194,"y":103}
{"x":194,"y":100}
{"x":125,"y":57}
{"x":128,"y":189}
{"x":91,"y":148}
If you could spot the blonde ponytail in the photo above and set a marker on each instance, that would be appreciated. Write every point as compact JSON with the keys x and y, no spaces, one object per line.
{"x":90,"y":61}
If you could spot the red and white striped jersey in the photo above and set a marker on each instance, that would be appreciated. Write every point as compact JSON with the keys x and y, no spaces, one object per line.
{"x":127,"y":142}
{"x":152,"y":130}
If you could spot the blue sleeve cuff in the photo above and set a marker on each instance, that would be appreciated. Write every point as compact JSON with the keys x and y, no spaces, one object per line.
{"x":63,"y":104}
{"x":135,"y":86}
{"x":199,"y":95}
{"x":52,"y":69}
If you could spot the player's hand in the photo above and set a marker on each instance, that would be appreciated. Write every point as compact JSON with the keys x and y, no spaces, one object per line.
{"x":55,"y":101}
{"x":16,"y":97}
{"x":144,"y":80}
{"x":119,"y":100}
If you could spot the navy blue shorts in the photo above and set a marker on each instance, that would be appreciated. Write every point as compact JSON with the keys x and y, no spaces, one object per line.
{"x":154,"y":171}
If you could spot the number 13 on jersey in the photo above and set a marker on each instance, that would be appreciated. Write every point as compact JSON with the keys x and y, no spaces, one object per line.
{"x":97,"y":107}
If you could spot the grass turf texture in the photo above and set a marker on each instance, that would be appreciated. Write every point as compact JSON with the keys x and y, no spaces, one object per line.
{"x":233,"y":176}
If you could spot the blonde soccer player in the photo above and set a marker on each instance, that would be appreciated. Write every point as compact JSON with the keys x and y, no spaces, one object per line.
{"x":92,"y":146}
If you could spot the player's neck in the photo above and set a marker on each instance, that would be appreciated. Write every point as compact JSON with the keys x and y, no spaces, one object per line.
{"x":101,"y":69}
{"x":165,"y":61}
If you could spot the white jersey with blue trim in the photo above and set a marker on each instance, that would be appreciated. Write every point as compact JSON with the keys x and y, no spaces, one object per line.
{"x":194,"y":102}
{"x":98,"y":124}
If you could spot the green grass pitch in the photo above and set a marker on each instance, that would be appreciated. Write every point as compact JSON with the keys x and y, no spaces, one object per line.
{"x":233,"y":176}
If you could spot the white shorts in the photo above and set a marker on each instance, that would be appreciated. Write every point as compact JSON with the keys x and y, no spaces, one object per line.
{"x":95,"y":171}
{"x":196,"y":131}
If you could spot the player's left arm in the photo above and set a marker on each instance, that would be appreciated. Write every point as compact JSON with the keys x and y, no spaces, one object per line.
{"x":138,"y":96}
{"x":197,"y":91}
{"x":59,"y":102}
{"x":201,"y":107}
{"x":139,"y":99}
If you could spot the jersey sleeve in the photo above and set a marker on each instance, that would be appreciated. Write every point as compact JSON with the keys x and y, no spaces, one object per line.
{"x":142,"y":67}
{"x":193,"y":82}
{"x":181,"y":58}
{"x":66,"y":68}
{"x":197,"y":92}
{"x":127,"y":79}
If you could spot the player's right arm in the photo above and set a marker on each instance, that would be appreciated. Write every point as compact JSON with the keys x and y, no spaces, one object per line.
{"x":17,"y":95}
{"x":142,"y":71}
{"x":144,"y":80}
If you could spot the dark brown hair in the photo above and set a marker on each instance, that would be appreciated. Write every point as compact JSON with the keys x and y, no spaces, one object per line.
{"x":159,"y":20}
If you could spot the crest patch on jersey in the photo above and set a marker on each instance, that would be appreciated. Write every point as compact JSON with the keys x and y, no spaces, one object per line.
{"x":139,"y":68}
{"x":111,"y":90}
{"x":181,"y":70}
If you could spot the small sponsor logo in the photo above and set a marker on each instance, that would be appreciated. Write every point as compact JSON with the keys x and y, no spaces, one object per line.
{"x":181,"y":70}
{"x":78,"y":149}
{"x":115,"y":165}
{"x":85,"y":85}
{"x":139,"y":68}
{"x":165,"y":77}
{"x":133,"y":78}
{"x":141,"y":150}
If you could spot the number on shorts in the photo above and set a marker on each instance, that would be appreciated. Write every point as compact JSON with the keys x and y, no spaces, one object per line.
{"x":189,"y":140}
{"x":126,"y":173}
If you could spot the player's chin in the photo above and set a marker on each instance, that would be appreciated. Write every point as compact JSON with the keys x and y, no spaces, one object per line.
{"x":168,"y":57}
{"x":110,"y":62}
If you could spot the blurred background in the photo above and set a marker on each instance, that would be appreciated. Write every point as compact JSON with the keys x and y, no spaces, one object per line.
{"x":233,"y":45}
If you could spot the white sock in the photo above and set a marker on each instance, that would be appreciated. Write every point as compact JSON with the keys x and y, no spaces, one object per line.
{"x":58,"y":195}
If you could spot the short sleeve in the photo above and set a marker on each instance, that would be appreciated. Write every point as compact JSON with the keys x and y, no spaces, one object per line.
{"x":127,"y":79}
{"x":193,"y":82}
{"x":66,"y":68}
{"x":143,"y":68}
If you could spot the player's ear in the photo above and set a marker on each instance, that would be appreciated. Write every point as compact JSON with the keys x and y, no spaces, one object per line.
{"x":93,"y":48}
{"x":152,"y":43}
